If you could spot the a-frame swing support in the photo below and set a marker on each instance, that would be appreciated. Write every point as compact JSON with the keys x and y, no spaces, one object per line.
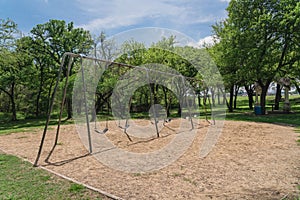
{"x":152,"y":103}
{"x":71,"y":59}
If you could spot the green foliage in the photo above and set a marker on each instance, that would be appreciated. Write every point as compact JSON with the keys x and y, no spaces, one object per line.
{"x":165,"y":56}
{"x":29,"y":66}
{"x":8,"y":32}
{"x":15,"y":67}
{"x":258,"y":42}
{"x":25,"y":125}
{"x":19,"y":180}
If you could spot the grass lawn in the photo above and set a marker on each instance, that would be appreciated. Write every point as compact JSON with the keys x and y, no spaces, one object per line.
{"x":19,"y":180}
{"x":25,"y":125}
{"x":242,"y":113}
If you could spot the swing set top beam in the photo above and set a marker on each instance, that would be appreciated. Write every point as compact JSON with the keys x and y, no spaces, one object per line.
{"x":74,"y":55}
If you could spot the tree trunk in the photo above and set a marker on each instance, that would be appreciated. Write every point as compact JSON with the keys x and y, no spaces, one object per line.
{"x":37,"y":105}
{"x":236,"y":90}
{"x":230,"y":103}
{"x":263,"y":95}
{"x":218,"y":96}
{"x":297,"y":87}
{"x":37,"y":109}
{"x":224,"y":98}
{"x":153,"y":96}
{"x":157,"y":100}
{"x":167,"y":106}
{"x":277,"y":96}
{"x":199,"y":100}
{"x":250,"y":93}
{"x":102,"y":99}
{"x":213,"y":97}
{"x":205,"y":97}
{"x":69,"y":108}
{"x":49,"y":96}
{"x":13,"y":104}
{"x":94,"y":114}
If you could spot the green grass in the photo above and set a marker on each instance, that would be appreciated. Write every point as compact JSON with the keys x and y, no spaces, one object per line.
{"x":298,"y":131}
{"x":19,"y":180}
{"x":291,"y":119}
{"x":244,"y":114}
{"x":298,"y":141}
{"x":25,"y":125}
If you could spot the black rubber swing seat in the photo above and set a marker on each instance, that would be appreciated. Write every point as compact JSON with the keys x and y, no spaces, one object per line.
{"x":101,"y":132}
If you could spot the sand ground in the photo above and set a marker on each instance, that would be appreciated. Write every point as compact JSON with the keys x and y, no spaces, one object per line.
{"x":250,"y":161}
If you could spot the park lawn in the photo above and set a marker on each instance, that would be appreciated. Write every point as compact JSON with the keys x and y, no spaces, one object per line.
{"x":242,"y":113}
{"x":26,"y":125}
{"x":19,"y":180}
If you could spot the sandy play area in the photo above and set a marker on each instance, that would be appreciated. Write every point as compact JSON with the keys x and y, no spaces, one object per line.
{"x":250,"y":161}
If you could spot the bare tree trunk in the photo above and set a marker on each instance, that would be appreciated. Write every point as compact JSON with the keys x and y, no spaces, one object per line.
{"x":213,"y":97}
{"x":277,"y":96}
{"x":49,"y":96}
{"x":230,"y":103}
{"x":69,"y":108}
{"x":37,"y":105}
{"x":236,"y":90}
{"x":199,"y":100}
{"x":297,"y":87}
{"x":218,"y":97}
{"x":41,"y":84}
{"x":11,"y":96}
{"x":167,"y":106}
{"x":224,"y":98}
{"x":250,"y":93}
{"x":13,"y":104}
{"x":263,"y":95}
{"x":205,"y":97}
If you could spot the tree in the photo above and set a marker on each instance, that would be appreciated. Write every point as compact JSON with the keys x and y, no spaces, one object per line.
{"x":14,"y":69}
{"x":53,"y":39}
{"x":263,"y":32}
{"x":11,"y":62}
{"x":8,"y":33}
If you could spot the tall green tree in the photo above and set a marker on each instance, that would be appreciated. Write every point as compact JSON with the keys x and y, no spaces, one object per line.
{"x":15,"y":70}
{"x":8,"y":33}
{"x":263,"y":34}
{"x":12,"y":63}
{"x":55,"y":38}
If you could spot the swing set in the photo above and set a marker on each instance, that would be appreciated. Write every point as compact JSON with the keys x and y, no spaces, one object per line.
{"x":70,"y":57}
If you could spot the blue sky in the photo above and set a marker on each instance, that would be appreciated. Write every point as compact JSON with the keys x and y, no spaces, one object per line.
{"x":191,"y":17}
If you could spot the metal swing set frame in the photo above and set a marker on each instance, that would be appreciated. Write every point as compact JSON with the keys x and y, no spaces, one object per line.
{"x":72,"y":57}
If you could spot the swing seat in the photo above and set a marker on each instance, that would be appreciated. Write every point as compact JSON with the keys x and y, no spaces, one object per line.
{"x":168,"y":120}
{"x":126,"y":127}
{"x":101,"y":132}
{"x":155,"y":122}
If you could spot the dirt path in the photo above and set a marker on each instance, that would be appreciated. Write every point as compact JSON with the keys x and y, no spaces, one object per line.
{"x":250,"y":161}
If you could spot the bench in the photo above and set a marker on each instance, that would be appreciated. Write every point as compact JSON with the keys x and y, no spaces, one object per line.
{"x":272,"y":104}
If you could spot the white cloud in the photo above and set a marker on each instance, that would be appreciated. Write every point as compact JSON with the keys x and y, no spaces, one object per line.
{"x":205,"y":42}
{"x":225,"y":1}
{"x":110,"y":22}
{"x":118,"y":13}
{"x":121,"y":13}
{"x":208,"y":41}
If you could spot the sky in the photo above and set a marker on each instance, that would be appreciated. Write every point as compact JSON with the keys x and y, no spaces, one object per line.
{"x":191,"y":17}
